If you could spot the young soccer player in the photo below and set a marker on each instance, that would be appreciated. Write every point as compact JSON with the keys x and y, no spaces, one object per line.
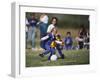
{"x":68,"y":41}
{"x":59,"y":45}
{"x":48,"y":40}
{"x":32,"y":30}
{"x":54,"y":44}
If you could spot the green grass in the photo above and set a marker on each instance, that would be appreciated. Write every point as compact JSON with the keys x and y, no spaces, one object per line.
{"x":73,"y":57}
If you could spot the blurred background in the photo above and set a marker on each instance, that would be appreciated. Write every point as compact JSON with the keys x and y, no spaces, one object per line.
{"x":66,"y":23}
{"x":65,"y":20}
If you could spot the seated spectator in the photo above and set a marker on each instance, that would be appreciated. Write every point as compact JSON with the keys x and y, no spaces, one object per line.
{"x":68,"y":41}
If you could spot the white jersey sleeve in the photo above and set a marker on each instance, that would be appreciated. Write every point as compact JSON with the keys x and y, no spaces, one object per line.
{"x":50,"y":27}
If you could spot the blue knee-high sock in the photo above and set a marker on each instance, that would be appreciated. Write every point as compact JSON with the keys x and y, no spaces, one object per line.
{"x":60,"y":52}
{"x":49,"y":56}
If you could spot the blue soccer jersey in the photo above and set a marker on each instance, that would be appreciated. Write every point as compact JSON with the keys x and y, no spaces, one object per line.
{"x":50,"y":39}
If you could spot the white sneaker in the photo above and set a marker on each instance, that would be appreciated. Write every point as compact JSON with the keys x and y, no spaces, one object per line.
{"x":33,"y":49}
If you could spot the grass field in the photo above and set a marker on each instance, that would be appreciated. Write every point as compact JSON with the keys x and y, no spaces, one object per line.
{"x":73,"y":57}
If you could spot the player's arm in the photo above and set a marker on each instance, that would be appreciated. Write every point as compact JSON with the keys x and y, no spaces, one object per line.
{"x":58,"y":42}
{"x":45,"y":38}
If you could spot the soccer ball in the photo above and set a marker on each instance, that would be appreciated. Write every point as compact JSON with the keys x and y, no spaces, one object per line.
{"x":53,"y":58}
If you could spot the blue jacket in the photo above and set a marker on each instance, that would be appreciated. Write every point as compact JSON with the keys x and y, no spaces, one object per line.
{"x":32,"y":22}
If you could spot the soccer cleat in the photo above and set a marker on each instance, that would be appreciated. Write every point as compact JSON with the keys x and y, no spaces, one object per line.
{"x":41,"y":55}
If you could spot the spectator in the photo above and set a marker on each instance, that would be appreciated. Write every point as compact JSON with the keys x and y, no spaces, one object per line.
{"x":43,"y":25}
{"x":52,"y":25}
{"x":26,"y":30}
{"x":68,"y":41}
{"x":82,"y":34}
{"x":32,"y":30}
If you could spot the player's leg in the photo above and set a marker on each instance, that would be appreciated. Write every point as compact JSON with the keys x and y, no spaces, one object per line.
{"x":42,"y":45}
{"x":47,"y":47}
{"x":59,"y":49}
{"x":52,"y":51}
{"x":60,"y":53}
{"x":47,"y":50}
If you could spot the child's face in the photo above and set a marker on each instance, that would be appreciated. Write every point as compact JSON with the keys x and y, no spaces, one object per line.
{"x":54,"y":21}
{"x":68,"y":35}
{"x":54,"y":31}
{"x":33,"y":16}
